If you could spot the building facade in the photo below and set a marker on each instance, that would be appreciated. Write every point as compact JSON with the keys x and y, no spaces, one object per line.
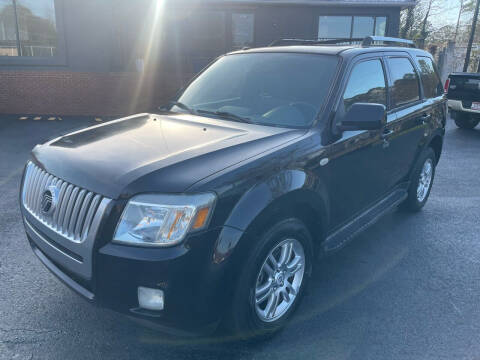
{"x":117,"y":57}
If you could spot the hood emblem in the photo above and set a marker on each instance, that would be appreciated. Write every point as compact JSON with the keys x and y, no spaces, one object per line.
{"x":49,"y":200}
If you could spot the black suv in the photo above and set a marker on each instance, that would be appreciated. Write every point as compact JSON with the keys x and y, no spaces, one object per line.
{"x":215,"y":209}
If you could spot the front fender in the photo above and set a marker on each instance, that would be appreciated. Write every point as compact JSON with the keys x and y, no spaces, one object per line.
{"x":287,"y":188}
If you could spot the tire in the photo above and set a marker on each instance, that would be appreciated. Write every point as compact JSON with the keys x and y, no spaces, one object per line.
{"x":464,"y":121}
{"x":421,"y":181}
{"x":245,"y":320}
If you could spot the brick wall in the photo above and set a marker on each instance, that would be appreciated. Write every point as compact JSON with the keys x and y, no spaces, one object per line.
{"x":79,"y":93}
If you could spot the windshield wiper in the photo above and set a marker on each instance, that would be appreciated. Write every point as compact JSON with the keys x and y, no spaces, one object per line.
{"x":227,"y":115}
{"x":180,"y":105}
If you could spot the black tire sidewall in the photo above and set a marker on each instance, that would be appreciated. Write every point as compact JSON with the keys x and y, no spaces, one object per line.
{"x":244,"y":320}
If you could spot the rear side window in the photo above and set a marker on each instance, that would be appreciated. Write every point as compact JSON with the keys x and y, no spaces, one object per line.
{"x":432,"y":86}
{"x":366,"y":84}
{"x":405,"y":87}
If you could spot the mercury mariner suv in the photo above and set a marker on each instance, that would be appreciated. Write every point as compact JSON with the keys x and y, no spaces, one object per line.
{"x":214,"y":210}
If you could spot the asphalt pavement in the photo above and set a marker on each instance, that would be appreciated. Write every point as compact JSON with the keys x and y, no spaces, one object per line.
{"x":407,"y":288}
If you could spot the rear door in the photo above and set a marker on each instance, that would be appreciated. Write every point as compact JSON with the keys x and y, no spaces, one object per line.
{"x":405,"y":131}
{"x":433,"y":93}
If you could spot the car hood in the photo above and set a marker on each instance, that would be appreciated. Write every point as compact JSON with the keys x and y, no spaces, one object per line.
{"x":154,"y":153}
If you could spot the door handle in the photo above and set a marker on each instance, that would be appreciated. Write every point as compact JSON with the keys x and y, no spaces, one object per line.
{"x":386,"y":133}
{"x":424,"y":118}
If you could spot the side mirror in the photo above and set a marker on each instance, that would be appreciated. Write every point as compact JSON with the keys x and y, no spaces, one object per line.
{"x":364,"y":116}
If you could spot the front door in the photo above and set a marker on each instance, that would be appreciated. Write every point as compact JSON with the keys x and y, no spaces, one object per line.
{"x":355,"y":161}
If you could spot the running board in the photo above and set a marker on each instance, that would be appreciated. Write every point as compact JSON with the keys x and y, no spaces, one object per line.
{"x":340,"y":237}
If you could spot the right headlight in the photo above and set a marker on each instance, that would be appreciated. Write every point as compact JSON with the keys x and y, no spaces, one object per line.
{"x":163,"y":220}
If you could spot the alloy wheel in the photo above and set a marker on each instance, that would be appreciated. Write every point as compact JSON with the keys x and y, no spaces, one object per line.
{"x":425,"y":180}
{"x":279,"y":280}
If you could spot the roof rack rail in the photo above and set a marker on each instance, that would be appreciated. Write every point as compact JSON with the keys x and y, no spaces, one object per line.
{"x":365,"y":42}
{"x":371,"y":40}
{"x":340,"y":41}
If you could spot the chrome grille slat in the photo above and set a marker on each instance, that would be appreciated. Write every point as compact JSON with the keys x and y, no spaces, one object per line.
{"x":36,"y":187}
{"x":82,"y":214}
{"x":34,"y":175}
{"x":63,"y":208}
{"x":29,"y":182}
{"x":48,"y":182}
{"x":68,"y":212}
{"x":61,"y":194}
{"x":75,"y":210}
{"x":88,"y":219}
{"x":41,"y":186}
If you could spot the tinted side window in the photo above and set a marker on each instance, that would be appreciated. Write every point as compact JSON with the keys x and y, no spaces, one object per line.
{"x":432,"y":85}
{"x":366,"y":84}
{"x":405,"y":81}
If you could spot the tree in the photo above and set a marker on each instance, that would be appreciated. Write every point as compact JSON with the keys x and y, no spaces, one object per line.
{"x":415,"y":21}
{"x":408,"y":23}
{"x":472,"y":36}
{"x":458,"y":19}
{"x":424,"y":33}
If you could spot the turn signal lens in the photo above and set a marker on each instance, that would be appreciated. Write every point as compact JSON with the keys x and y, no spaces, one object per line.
{"x":201,"y":218}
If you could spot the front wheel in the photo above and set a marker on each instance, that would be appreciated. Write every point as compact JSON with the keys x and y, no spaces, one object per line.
{"x":464,"y":121}
{"x":272,"y":281}
{"x":422,"y":180}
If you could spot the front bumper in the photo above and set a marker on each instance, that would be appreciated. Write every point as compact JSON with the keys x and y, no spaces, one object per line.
{"x":196,"y":288}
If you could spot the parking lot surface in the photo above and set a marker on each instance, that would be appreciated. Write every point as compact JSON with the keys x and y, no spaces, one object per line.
{"x":407,"y":288}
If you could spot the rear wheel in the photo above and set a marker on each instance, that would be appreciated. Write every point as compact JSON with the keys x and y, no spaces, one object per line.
{"x":422,"y":180}
{"x":273,"y":281}
{"x":465,"y":121}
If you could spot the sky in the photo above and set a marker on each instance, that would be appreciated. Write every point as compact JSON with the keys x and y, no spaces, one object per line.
{"x":446,"y":14}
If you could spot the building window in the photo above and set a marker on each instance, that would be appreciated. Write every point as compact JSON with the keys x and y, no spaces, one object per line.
{"x":332,"y":27}
{"x":380,"y":25}
{"x":347,"y":27}
{"x":242,"y":30}
{"x":28,"y":28}
{"x":363,"y":26}
{"x":8,"y":39}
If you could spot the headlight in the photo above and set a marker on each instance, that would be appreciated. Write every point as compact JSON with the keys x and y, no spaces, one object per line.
{"x":163,"y":220}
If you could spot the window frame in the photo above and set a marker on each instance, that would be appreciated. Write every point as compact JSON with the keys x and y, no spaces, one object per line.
{"x":352,"y":16}
{"x":392,"y":107}
{"x":346,"y":79}
{"x":60,"y":56}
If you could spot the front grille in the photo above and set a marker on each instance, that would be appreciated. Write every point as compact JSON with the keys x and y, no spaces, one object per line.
{"x":63,"y":207}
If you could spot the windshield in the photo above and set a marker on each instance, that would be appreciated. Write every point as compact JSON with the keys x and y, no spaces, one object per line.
{"x":276,"y":89}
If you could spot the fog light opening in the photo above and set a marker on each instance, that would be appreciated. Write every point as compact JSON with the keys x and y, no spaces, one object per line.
{"x":150,"y":299}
